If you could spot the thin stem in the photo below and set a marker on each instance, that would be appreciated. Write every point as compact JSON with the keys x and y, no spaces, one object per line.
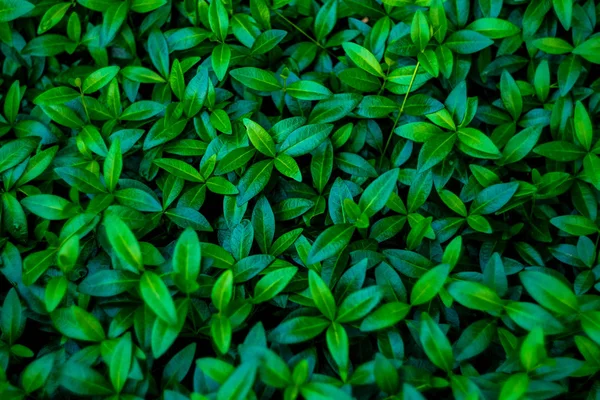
{"x":384,"y":80}
{"x":299,"y":29}
{"x":410,"y":85}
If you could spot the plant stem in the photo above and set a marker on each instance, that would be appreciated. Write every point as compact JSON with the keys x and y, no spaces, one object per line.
{"x":384,"y":81}
{"x":299,"y":29}
{"x":410,"y":85}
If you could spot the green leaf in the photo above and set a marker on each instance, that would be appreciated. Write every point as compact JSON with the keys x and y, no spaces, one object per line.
{"x":552,"y":45}
{"x":114,"y":18}
{"x":254,"y":181}
{"x":220,"y":59}
{"x":141,"y":75}
{"x":435,"y":150}
{"x":234,"y":159}
{"x":120,"y":362}
{"x":386,"y":316}
{"x":308,"y":90}
{"x":577,"y":225}
{"x":475,"y":339}
{"x":159,"y":52}
{"x":435,"y":343}
{"x":138,"y":200}
{"x":52,"y":17}
{"x":141,"y":110}
{"x":453,"y":202}
{"x":321,"y":295}
{"x":108,"y":283}
{"x":144,"y":6}
{"x":288,"y":167}
{"x":164,"y":334}
{"x":590,"y":322}
{"x":195,"y":93}
{"x":215,"y":369}
{"x":47,"y":45}
{"x":12,"y":320}
{"x":334,"y":108}
{"x":256,"y":79}
{"x":37,"y":372}
{"x":330,"y":242}
{"x":84,"y":381}
{"x":476,"y":296}
{"x":218,"y":19}
{"x":493,"y":28}
{"x":550,"y":292}
{"x":420,"y":104}
{"x":363,"y":58}
{"x":493,"y":198}
{"x":533,"y":351}
{"x":260,"y":138}
{"x":376,"y":195}
{"x":530,"y":315}
{"x":15,"y":151}
{"x":339,"y":347}
{"x":564,"y":12}
{"x":82,"y":179}
{"x":359,"y":79}
{"x":299,"y":329}
{"x":467,"y":42}
{"x":420,"y":31}
{"x":186,"y":217}
{"x":476,"y":144}
{"x":520,"y":145}
{"x":583,"y":126}
{"x":55,"y":96}
{"x":186,"y":261}
{"x":385,"y":373}
{"x":511,"y":95}
{"x":428,"y":285}
{"x":305,"y":139}
{"x":560,"y":151}
{"x":355,"y":165}
{"x":76,"y":323}
{"x":55,"y":292}
{"x":326,"y":19}
{"x":222,"y":290}
{"x":180,"y":169}
{"x":273,"y":283}
{"x":156,"y":295}
{"x":123,"y":241}
{"x":359,"y":304}
{"x":13,"y":9}
{"x":98,"y":79}
{"x":239,"y":383}
{"x":589,"y":50}
{"x":376,"y":107}
{"x":36,"y":264}
{"x":12,"y":102}
{"x":266,"y":41}
{"x":591,"y":167}
{"x":534,"y":16}
{"x":48,"y":206}
{"x":113,"y":165}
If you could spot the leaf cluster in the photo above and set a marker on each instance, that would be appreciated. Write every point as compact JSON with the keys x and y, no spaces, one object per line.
{"x":299,"y":199}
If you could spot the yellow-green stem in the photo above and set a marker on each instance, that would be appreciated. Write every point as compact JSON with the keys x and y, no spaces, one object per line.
{"x":410,"y":85}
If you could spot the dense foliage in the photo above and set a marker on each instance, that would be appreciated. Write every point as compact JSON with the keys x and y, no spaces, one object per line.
{"x":338,"y":199}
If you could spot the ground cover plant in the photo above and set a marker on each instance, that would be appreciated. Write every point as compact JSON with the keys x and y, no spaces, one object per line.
{"x":299,"y":199}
